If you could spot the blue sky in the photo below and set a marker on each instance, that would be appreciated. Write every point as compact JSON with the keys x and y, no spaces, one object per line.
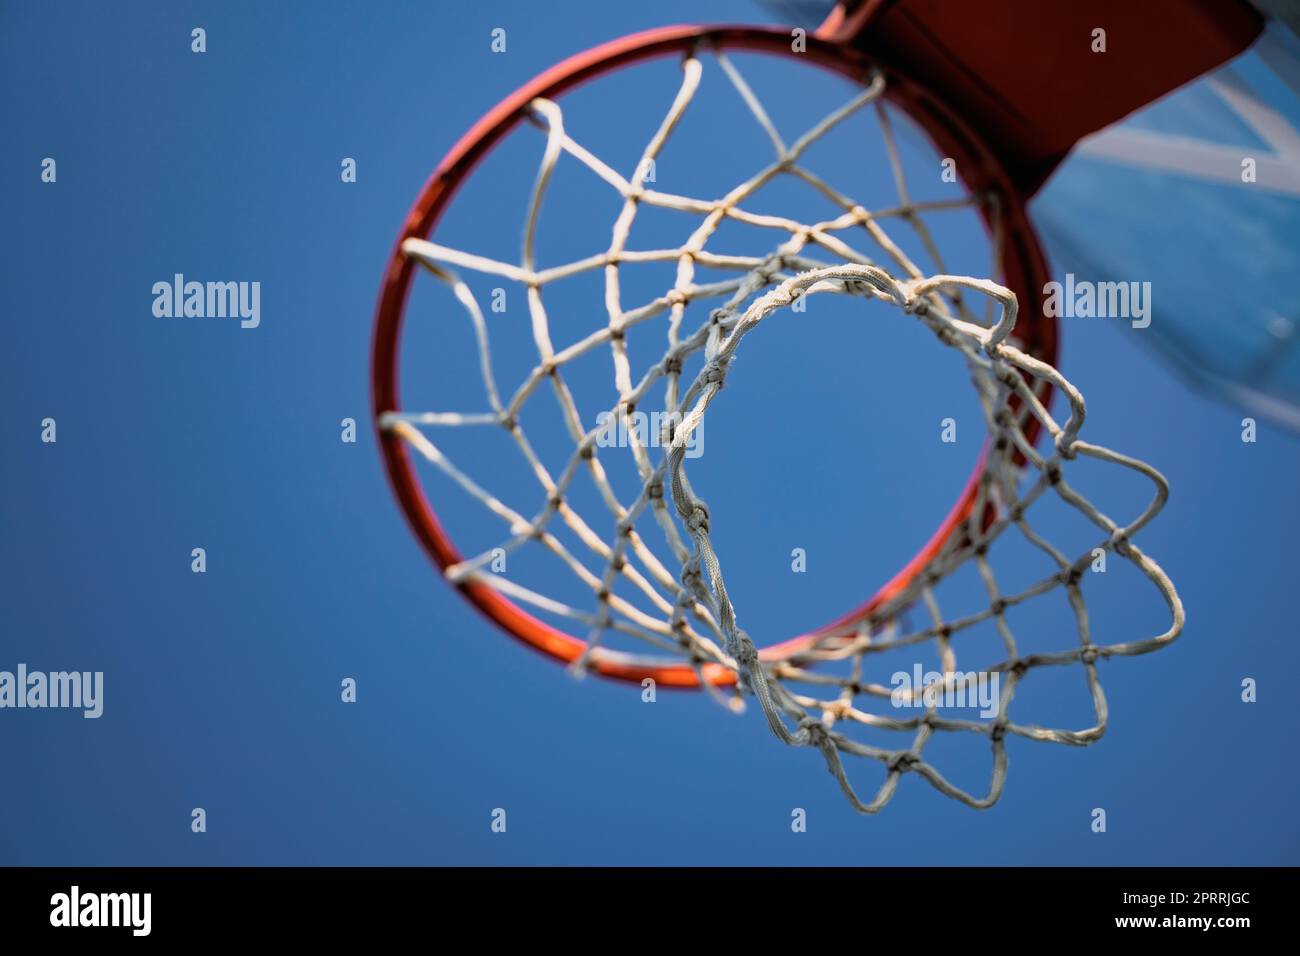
{"x":221,"y":689}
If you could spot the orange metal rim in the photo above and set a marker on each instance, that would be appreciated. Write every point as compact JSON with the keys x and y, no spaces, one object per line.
{"x":1024,"y":266}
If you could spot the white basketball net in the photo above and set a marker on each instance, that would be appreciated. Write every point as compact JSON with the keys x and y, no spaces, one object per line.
{"x":687,"y":614}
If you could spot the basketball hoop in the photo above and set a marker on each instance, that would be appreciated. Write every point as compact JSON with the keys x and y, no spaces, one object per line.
{"x":1010,"y":352}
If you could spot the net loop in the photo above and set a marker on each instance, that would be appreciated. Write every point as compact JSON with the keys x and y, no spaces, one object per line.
{"x":817,"y":692}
